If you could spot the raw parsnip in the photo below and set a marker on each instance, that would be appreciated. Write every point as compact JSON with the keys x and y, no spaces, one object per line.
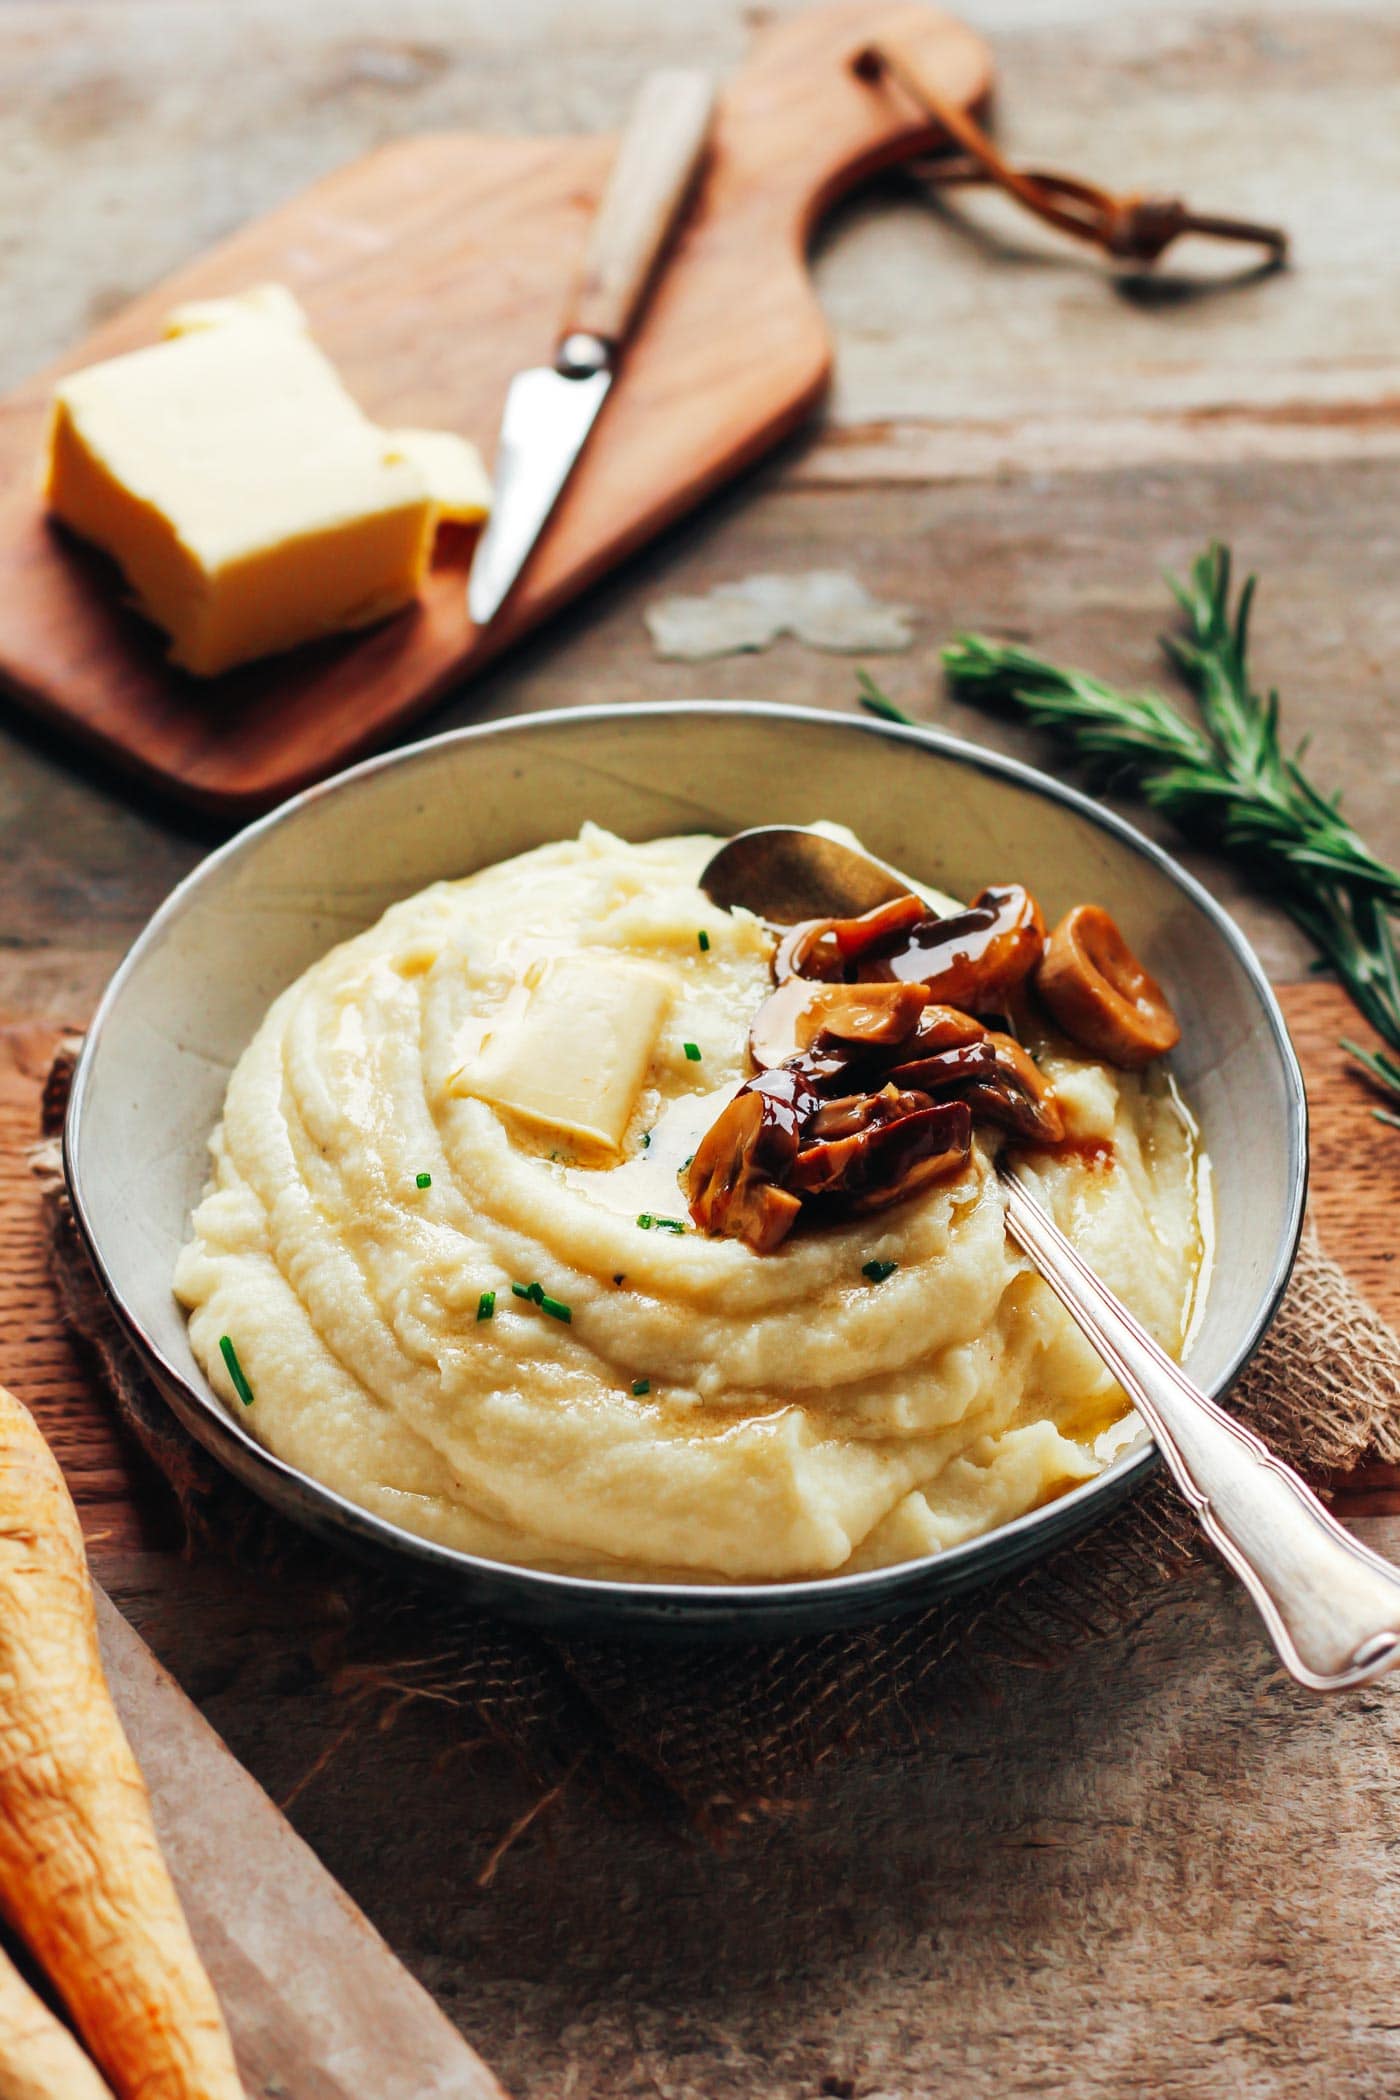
{"x":39,"y":2059}
{"x":81,"y":1875}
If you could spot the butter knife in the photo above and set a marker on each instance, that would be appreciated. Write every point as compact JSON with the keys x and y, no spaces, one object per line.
{"x":550,"y":409}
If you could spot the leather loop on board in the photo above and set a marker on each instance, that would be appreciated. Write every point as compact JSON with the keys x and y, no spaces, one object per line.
{"x":1130,"y":228}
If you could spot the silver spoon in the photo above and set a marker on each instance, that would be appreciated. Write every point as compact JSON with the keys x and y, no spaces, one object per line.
{"x":1331,"y":1606}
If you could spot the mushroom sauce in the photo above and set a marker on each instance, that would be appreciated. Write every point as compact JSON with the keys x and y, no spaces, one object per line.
{"x":498,"y":1253}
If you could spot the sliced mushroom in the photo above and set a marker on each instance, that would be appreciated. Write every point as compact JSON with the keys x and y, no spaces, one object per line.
{"x":800,"y":1014}
{"x":943,"y":1028}
{"x":1017,"y":1097}
{"x":874,"y":1064}
{"x":827,"y":948}
{"x":854,"y":1114}
{"x":1000,"y":1082}
{"x":890,"y":1160}
{"x":733,"y":1181}
{"x":972,"y":960}
{"x":903,"y":1143}
{"x":1101,"y":995}
{"x":778,"y":1144}
{"x":947,"y":1071}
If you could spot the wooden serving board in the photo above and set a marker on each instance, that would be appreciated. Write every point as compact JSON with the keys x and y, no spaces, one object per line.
{"x":431,"y":272}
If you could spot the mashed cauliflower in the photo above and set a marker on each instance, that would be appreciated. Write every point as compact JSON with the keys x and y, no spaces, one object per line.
{"x":677,"y":1407}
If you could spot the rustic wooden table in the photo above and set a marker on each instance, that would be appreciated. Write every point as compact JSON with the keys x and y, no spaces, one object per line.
{"x":1160,"y":1870}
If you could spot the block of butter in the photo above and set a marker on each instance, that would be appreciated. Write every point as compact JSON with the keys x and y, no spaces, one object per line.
{"x":571,"y":1056}
{"x":248,"y":500}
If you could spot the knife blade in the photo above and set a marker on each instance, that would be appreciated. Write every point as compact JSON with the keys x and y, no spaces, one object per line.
{"x":550,"y":409}
{"x":548,"y":416}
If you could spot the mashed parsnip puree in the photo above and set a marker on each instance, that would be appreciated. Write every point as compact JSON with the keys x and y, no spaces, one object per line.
{"x":663,"y":1405}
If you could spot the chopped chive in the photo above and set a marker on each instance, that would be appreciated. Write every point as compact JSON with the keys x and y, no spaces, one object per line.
{"x":692,"y":1051}
{"x":649,"y":1222}
{"x":704,"y":939}
{"x":423,"y":1181}
{"x":536,"y":1294}
{"x":645,"y":1220}
{"x":646,"y":1139}
{"x":235,"y":1370}
{"x":486,"y":1306}
{"x":639,"y":1387}
{"x":877,"y":1271}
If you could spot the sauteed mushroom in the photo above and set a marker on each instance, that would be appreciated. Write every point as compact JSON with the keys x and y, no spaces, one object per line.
{"x":907,"y":1142}
{"x":800,"y":1014}
{"x":971,"y":960}
{"x":1017,"y":1098}
{"x":733,"y":1180}
{"x":828,"y":948}
{"x":874,"y":1064}
{"x":943,"y":1028}
{"x":1000,"y":1082}
{"x":778,"y":1141}
{"x":1101,"y":995}
{"x":946,"y":1070}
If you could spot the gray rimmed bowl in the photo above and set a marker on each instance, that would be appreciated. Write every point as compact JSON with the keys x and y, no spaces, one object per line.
{"x":150,"y":1083}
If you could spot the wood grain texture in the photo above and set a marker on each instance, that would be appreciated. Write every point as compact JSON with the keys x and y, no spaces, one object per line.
{"x":1160,"y":1871}
{"x":317,"y":2006}
{"x":655,"y":167}
{"x":1030,"y":1866}
{"x":431,"y":273}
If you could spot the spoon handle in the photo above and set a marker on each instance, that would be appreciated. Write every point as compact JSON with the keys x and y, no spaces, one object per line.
{"x":1332,"y":1607}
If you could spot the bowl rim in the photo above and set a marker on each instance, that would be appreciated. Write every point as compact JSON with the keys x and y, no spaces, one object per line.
{"x":599,"y":1597}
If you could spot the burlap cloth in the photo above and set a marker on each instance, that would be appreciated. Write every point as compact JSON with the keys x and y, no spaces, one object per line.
{"x":716,"y":1734}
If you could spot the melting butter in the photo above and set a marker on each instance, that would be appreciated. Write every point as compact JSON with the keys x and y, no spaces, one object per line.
{"x":652,"y":1180}
{"x":570,"y":1047}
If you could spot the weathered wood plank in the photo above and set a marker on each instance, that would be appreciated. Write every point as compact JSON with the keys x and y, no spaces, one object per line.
{"x":138,"y":133}
{"x":1004,"y":1906}
{"x":1159,"y":1871}
{"x":1070,"y":563}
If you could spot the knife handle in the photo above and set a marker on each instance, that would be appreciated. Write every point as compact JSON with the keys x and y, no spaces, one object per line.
{"x":651,"y":177}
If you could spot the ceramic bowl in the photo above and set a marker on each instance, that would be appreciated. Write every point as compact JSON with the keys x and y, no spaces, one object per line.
{"x":150,"y":1084}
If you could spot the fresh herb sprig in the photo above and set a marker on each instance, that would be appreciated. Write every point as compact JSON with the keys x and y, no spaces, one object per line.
{"x":1227,"y":780}
{"x":1386,"y":1073}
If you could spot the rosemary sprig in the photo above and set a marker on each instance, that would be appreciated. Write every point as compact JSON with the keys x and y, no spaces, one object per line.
{"x":1227,"y":780}
{"x":1384,"y":1070}
{"x":877,"y":703}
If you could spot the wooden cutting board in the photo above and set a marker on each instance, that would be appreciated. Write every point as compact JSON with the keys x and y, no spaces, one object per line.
{"x":318,"y":2006}
{"x":431,"y":272}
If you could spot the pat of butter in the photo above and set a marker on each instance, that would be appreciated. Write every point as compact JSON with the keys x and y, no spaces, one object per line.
{"x":261,"y":302}
{"x":452,"y":469}
{"x":248,"y":500}
{"x":572,"y":1057}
